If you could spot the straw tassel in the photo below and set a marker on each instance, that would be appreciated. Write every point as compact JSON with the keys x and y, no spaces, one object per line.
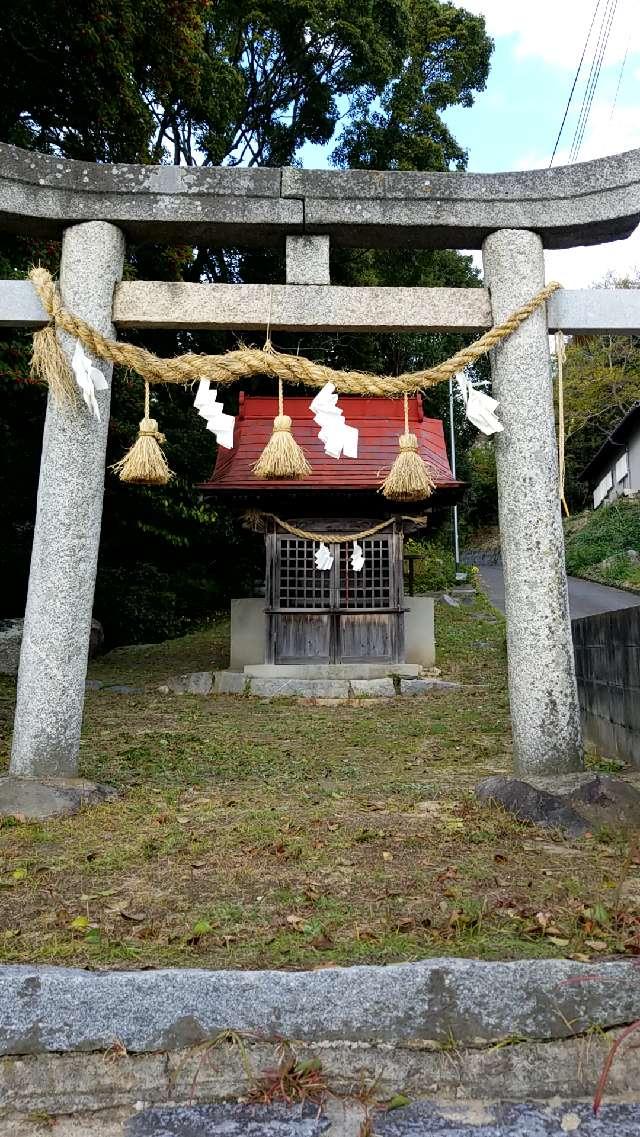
{"x":282,"y":457}
{"x":145,"y":464}
{"x":409,"y":479}
{"x":50,"y":365}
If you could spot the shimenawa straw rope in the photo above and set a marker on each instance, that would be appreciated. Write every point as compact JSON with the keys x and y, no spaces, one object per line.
{"x":235,"y":365}
{"x":328,"y":538}
{"x":409,"y":478}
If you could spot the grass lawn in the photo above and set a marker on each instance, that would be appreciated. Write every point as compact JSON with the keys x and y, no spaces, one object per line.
{"x":257,"y":834}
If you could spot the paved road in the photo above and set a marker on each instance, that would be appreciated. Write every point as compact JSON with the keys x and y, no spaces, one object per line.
{"x":585,"y":598}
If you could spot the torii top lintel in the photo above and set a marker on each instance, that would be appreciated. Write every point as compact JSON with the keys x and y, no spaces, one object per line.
{"x":584,"y":204}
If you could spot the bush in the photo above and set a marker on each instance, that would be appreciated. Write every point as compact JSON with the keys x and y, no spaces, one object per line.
{"x":140,"y":604}
{"x":479,"y":509}
{"x":436,"y":569}
{"x":607,"y":532}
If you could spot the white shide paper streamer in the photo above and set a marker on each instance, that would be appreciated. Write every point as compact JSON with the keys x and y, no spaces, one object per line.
{"x":323,"y":557}
{"x":88,"y":378}
{"x":357,"y":557}
{"x":478,"y":406}
{"x":337,"y":437}
{"x":217,"y":421}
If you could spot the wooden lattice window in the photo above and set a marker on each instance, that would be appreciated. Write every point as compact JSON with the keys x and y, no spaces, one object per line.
{"x":302,"y":585}
{"x":371,"y":587}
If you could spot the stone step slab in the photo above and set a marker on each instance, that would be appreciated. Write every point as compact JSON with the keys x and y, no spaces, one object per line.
{"x":522,"y":1119}
{"x":58,"y":1009}
{"x":229,"y":1120}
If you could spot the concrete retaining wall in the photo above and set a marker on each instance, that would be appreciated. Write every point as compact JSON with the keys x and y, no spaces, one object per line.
{"x":607,"y":655}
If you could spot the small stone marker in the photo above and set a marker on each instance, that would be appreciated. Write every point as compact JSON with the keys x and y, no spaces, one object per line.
{"x":522,"y":1119}
{"x":229,"y":1120}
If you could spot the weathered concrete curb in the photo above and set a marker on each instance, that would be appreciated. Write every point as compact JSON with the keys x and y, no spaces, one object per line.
{"x":467,"y":1002}
{"x":70,"y":1084}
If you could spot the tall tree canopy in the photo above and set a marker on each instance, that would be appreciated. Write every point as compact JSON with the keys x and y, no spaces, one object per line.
{"x":239,"y":81}
{"x":221,"y":82}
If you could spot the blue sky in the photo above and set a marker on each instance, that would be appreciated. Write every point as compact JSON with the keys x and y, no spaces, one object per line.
{"x":513,"y":123}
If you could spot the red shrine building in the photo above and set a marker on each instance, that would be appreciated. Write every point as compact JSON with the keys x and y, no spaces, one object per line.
{"x":337,"y":614}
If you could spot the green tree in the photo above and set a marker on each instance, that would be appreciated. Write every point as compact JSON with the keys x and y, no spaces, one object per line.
{"x":243,"y":82}
{"x":601,"y":383}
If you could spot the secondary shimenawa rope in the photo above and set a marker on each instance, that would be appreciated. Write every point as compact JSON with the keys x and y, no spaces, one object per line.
{"x":328,"y":538}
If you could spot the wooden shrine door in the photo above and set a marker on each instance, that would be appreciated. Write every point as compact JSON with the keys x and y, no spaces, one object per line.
{"x":335,"y":615}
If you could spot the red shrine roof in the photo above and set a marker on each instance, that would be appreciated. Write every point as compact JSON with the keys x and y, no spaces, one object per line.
{"x":379,"y":420}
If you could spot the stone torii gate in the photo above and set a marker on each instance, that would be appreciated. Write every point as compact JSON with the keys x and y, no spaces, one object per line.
{"x":512,"y":217}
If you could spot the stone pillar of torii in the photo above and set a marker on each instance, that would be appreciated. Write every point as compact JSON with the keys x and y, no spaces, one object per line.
{"x":512,"y":217}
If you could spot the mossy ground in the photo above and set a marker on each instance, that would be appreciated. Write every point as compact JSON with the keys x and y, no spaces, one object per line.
{"x":276,"y":834}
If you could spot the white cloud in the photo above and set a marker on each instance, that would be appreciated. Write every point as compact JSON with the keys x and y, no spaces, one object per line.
{"x":555,"y":30}
{"x":585,"y":266}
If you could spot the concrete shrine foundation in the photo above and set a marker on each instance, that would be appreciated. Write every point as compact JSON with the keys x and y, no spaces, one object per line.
{"x":248,"y":636}
{"x":272,"y":685}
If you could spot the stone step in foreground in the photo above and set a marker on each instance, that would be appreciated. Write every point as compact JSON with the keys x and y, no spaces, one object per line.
{"x":229,"y":1120}
{"x":424,"y":1119}
{"x":521,"y":1119}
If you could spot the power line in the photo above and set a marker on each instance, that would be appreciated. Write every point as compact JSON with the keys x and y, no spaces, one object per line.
{"x":575,"y":80}
{"x":594,"y":76}
{"x":590,"y":79}
{"x":615,"y":97}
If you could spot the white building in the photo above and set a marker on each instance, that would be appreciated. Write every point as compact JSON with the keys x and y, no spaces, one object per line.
{"x":615,"y":470}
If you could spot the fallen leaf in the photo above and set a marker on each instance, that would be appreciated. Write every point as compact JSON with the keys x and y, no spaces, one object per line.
{"x":364,"y":932}
{"x":79,"y":923}
{"x":405,"y":923}
{"x":85,"y":898}
{"x":449,"y":873}
{"x":322,"y":942}
{"x":387,"y":856}
{"x":397,"y":1101}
